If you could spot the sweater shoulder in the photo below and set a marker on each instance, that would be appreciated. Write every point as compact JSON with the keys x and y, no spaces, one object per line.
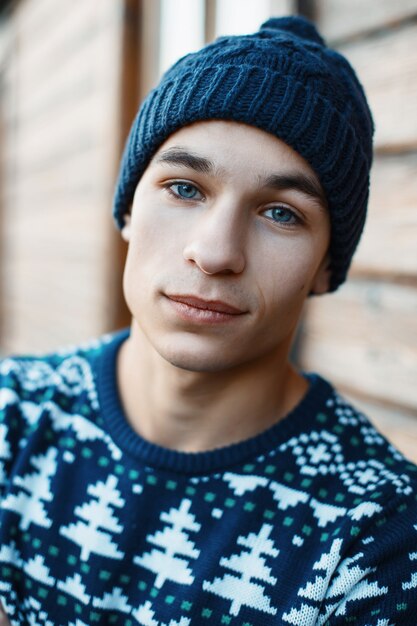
{"x":340,"y":451}
{"x":364,"y":443}
{"x":60,"y":382}
{"x":35,"y":378}
{"x":43,"y":392}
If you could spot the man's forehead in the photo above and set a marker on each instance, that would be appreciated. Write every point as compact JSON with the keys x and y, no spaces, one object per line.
{"x":262,"y":160}
{"x":226,"y":136}
{"x":221,"y":139}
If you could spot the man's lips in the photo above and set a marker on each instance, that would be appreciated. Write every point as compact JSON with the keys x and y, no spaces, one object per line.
{"x":217,"y":306}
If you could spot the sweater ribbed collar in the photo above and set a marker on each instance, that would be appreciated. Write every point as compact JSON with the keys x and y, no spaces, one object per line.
{"x":151,"y":455}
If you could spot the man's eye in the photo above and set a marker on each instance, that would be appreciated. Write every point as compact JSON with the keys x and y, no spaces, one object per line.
{"x":184,"y":190}
{"x":281,"y":215}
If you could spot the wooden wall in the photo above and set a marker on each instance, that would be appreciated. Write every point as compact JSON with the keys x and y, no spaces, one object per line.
{"x":364,"y":337}
{"x":61,"y":76}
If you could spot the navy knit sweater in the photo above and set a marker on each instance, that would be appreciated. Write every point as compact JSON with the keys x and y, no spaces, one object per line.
{"x":312,"y":522}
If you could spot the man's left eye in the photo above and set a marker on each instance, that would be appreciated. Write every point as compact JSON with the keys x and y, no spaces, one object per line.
{"x":185,"y":190}
{"x":281,"y":215}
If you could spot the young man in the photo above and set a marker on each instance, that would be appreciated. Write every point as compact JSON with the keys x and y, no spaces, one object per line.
{"x":183,"y":472}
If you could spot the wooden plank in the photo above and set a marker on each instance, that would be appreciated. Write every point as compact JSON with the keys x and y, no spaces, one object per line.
{"x":49,"y":37}
{"x":130,"y":85}
{"x":60,"y":144}
{"x":78,"y":81}
{"x":6,"y":42}
{"x":149,"y":52}
{"x":398,"y":427}
{"x":389,"y":244}
{"x":340,"y":19}
{"x":31,"y":332}
{"x":53,"y":299}
{"x":365,"y":337}
{"x":282,"y":7}
{"x":2,"y":214}
{"x":387,"y":67}
{"x":276,"y":8}
{"x":210,"y":10}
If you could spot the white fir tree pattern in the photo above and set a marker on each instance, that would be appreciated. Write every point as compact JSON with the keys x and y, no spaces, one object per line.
{"x":412,"y":583}
{"x":10,"y":554}
{"x":114,"y":600}
{"x":363,"y":590}
{"x":241,"y":484}
{"x":326,"y":513}
{"x":74,"y":587}
{"x":37,"y":570}
{"x":34,"y":492}
{"x":172,"y":545}
{"x":315,"y":591}
{"x":145,"y":617}
{"x":343,"y":581}
{"x":84,"y":429}
{"x":34,"y":614}
{"x":94,"y":532}
{"x":249,"y":564}
{"x":287,"y":497}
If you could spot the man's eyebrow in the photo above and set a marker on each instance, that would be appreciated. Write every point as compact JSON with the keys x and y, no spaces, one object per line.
{"x":181,"y":156}
{"x":296,"y":181}
{"x":286,"y":181}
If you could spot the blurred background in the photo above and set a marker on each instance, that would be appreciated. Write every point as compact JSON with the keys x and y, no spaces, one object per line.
{"x":71,"y":77}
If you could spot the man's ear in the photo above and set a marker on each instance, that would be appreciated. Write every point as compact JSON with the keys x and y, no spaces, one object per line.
{"x":321,"y":282}
{"x":125,"y":232}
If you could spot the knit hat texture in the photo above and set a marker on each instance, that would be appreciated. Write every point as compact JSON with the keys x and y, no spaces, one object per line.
{"x":287,"y":82}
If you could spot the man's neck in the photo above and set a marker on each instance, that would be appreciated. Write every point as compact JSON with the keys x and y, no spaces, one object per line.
{"x":198,"y":411}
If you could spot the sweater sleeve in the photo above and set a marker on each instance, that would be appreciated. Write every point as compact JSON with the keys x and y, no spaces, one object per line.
{"x":376,"y":583}
{"x":19,"y":413}
{"x":10,"y":421}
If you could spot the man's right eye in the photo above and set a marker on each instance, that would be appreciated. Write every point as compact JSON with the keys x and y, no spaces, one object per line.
{"x":187,"y":191}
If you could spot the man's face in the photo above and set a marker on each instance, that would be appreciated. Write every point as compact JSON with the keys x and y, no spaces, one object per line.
{"x":226,"y":240}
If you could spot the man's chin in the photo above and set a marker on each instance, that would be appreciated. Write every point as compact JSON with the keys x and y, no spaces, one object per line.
{"x":200,"y":361}
{"x":199,"y":364}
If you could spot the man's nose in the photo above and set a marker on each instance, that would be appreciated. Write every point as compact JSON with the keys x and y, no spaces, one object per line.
{"x":218,"y":241}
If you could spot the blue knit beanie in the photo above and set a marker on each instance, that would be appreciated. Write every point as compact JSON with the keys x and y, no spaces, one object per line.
{"x":285,"y":81}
